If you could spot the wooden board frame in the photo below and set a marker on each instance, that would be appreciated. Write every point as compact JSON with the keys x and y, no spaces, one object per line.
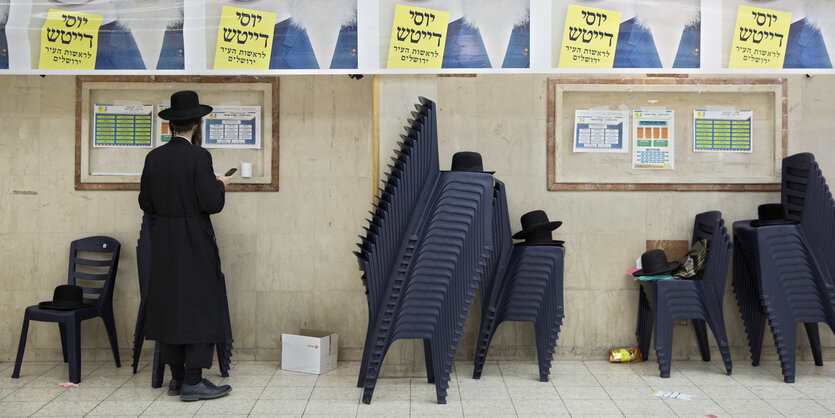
{"x":779,"y":83}
{"x":234,"y":187}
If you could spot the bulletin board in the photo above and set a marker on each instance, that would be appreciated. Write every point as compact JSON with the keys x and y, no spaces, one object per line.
{"x":758,"y":170}
{"x":120,"y":167}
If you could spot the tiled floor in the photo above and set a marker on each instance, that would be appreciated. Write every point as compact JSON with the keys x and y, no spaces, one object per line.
{"x":506,"y":388}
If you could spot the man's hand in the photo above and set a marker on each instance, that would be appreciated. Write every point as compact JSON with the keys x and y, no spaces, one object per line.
{"x":225,"y":179}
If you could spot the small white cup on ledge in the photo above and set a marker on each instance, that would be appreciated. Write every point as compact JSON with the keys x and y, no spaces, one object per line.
{"x":246,"y":170}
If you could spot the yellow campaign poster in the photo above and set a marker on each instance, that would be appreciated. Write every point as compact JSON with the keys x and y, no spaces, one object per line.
{"x":69,"y":41}
{"x":418,"y":37}
{"x":590,"y":38}
{"x":244,"y":39}
{"x":760,"y":38}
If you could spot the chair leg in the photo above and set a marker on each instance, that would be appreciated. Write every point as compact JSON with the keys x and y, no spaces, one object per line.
{"x":645,"y":322}
{"x":22,"y":346}
{"x":63,"y":329}
{"x":663,"y":341}
{"x":814,"y":341}
{"x":74,"y":350}
{"x":427,"y":354}
{"x":158,"y":371}
{"x":701,"y":337}
{"x":110,"y":326}
{"x":717,"y":326}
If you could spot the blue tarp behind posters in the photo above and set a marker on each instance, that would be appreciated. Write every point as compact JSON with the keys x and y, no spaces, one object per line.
{"x":304,"y":37}
{"x":134,"y":35}
{"x":652,"y":33}
{"x":811,"y":40}
{"x":480,"y":34}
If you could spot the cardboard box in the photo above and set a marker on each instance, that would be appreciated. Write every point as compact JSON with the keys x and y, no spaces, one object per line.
{"x":309,"y":351}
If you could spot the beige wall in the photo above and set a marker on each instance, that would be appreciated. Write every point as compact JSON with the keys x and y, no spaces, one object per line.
{"x":287,"y":255}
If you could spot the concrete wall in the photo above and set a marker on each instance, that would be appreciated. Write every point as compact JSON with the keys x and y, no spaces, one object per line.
{"x":287,"y":255}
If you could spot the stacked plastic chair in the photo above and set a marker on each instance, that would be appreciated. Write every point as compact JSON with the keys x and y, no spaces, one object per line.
{"x":664,"y":301}
{"x":423,"y":255}
{"x":143,"y":265}
{"x":523,"y":283}
{"x":784,"y":272}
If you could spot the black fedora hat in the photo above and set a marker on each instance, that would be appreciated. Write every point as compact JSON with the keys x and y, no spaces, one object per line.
{"x":536,"y":229}
{"x":66,"y":297}
{"x":468,"y":161}
{"x":185,"y":105}
{"x":655,"y":262}
{"x":771,"y":214}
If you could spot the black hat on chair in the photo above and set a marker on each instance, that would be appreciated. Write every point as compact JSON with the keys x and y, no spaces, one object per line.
{"x":185,"y":105}
{"x":654,"y":262}
{"x":468,"y":161}
{"x":536,"y":229}
{"x":66,"y":297}
{"x":771,"y":214}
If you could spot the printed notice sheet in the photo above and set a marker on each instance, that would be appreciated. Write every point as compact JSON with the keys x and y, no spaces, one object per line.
{"x":232,"y":127}
{"x":163,"y":132}
{"x":601,"y":131}
{"x":122,"y":126}
{"x":722,"y":131}
{"x":653,"y":139}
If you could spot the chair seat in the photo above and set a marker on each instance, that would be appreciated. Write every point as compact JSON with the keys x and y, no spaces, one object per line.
{"x":36,"y":313}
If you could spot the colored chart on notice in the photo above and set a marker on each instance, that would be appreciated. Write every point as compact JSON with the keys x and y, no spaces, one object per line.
{"x":653,"y":139}
{"x":122,"y":126}
{"x":232,"y":127}
{"x":722,"y":131}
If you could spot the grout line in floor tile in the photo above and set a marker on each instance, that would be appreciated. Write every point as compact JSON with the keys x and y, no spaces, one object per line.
{"x":498,"y":366}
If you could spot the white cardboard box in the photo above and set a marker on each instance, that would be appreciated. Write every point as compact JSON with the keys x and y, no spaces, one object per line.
{"x":310,"y":351}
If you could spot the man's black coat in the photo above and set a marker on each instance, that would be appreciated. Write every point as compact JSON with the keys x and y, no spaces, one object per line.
{"x":185,"y":296}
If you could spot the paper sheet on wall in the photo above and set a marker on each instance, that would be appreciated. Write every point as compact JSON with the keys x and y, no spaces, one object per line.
{"x":590,"y":38}
{"x":653,"y":139}
{"x":601,"y":131}
{"x":244,"y":39}
{"x":122,"y":126}
{"x":232,"y":127}
{"x":722,"y":131}
{"x":163,"y":132}
{"x":69,"y":41}
{"x":418,"y":37}
{"x":760,"y":38}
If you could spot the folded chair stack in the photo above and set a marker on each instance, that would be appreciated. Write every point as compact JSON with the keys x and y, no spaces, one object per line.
{"x":526,"y":285}
{"x":425,"y":250}
{"x":785,"y":264}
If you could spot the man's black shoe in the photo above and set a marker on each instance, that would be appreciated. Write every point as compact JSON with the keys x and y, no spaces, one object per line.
{"x":203,"y":390}
{"x":174,"y":387}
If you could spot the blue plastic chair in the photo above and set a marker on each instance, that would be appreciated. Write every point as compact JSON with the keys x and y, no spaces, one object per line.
{"x":784,"y":273}
{"x":664,"y":301}
{"x":97,"y":277}
{"x":423,"y":255}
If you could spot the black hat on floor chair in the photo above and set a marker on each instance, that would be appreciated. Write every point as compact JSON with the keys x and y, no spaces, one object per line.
{"x":771,"y":214}
{"x":654,"y":262}
{"x":66,"y":297}
{"x":185,"y":105}
{"x":536,"y":229}
{"x":468,"y":161}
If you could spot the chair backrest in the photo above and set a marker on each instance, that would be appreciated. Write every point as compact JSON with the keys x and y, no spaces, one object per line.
{"x":794,"y":184}
{"x":93,"y":265}
{"x":711,"y":226}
